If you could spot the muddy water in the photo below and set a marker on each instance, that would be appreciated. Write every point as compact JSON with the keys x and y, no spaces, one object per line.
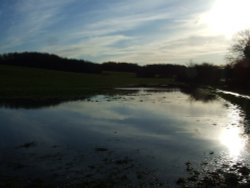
{"x":145,"y":138}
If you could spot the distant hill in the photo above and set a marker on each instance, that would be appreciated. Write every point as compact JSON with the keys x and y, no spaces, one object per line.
{"x":49,"y":61}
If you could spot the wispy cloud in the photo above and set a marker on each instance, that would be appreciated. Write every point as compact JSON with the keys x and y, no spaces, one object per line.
{"x":32,"y":17}
{"x":142,"y":31}
{"x":88,"y":48}
{"x":173,"y":51}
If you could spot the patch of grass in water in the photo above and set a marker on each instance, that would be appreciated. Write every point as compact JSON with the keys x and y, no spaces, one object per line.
{"x":235,"y":175}
{"x":61,"y":167}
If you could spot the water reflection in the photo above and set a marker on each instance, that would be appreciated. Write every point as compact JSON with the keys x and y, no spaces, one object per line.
{"x":195,"y":94}
{"x":235,"y":141}
{"x":38,"y":103}
{"x":198,"y":94}
{"x":32,"y":103}
{"x":244,"y":105}
{"x":233,"y":136}
{"x":161,"y":130}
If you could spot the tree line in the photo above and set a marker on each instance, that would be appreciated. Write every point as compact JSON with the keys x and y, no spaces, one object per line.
{"x":49,"y":61}
{"x":204,"y":73}
{"x":233,"y":75}
{"x":238,"y":67}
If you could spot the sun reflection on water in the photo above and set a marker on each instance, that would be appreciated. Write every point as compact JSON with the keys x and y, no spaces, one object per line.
{"x":234,"y":141}
{"x":233,"y":137}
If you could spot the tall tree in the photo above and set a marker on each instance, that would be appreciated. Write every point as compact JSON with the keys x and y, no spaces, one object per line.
{"x":240,"y":49}
{"x":238,"y":70}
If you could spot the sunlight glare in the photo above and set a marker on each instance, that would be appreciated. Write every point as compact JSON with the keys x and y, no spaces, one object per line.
{"x":228,"y":17}
{"x":233,"y":140}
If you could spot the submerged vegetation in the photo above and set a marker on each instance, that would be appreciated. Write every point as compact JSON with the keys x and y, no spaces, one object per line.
{"x":227,"y":175}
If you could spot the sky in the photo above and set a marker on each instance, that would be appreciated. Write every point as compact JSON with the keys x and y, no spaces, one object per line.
{"x":136,"y":31}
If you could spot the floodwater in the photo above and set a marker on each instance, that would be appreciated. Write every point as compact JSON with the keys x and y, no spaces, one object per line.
{"x":142,"y":138}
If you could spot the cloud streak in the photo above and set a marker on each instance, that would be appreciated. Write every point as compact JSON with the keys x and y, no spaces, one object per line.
{"x":31,"y":19}
{"x":142,"y":31}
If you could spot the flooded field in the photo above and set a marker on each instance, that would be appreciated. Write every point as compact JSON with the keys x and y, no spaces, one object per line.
{"x":144,"y":138}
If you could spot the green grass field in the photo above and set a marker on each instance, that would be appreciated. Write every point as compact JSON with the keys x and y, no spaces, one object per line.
{"x":22,"y":82}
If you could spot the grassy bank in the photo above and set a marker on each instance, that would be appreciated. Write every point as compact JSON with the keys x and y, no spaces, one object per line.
{"x":21,"y":82}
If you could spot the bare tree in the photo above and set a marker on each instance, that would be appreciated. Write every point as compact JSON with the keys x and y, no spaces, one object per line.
{"x":240,"y":49}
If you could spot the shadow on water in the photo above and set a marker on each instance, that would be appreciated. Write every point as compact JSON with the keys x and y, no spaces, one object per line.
{"x":31,"y":103}
{"x":38,"y":103}
{"x":196,"y":94}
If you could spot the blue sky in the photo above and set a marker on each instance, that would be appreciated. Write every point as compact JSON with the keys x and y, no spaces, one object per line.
{"x":141,"y":31}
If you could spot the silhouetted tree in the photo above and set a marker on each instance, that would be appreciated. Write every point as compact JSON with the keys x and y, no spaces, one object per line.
{"x":238,"y":75}
{"x":162,"y":70}
{"x":49,"y":61}
{"x":203,"y":74}
{"x":240,"y":49}
{"x":207,"y":74}
{"x":238,"y":69}
{"x":120,"y":67}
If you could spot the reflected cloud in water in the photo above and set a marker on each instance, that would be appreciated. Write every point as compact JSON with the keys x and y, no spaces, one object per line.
{"x":164,"y":126}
